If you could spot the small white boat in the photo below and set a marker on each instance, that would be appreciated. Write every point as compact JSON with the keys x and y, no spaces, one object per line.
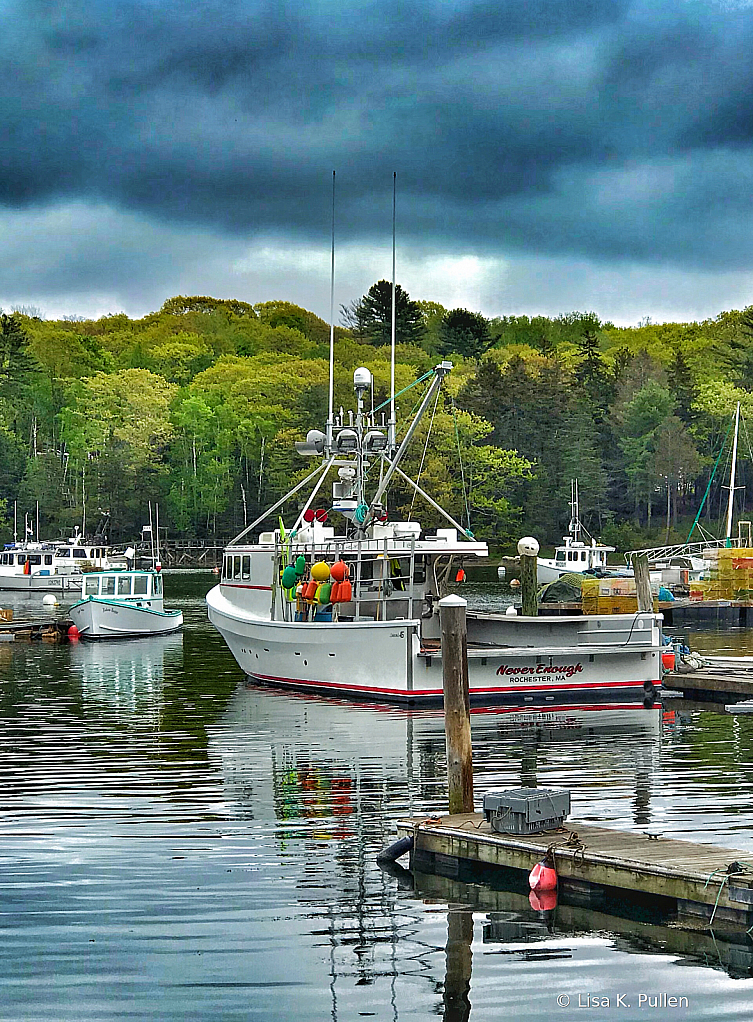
{"x":33,"y":566}
{"x":574,"y":556}
{"x":123,"y":605}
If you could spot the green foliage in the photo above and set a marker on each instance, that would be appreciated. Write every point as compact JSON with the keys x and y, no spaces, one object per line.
{"x":198,"y":405}
{"x":180,"y":305}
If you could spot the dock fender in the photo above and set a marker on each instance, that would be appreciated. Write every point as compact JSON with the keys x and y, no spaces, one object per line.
{"x":649,"y":692}
{"x":395,"y":850}
{"x":543,"y":876}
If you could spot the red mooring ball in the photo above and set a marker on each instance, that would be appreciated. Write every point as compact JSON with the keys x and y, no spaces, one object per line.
{"x":542,"y":878}
{"x":73,"y":633}
{"x":542,"y":901}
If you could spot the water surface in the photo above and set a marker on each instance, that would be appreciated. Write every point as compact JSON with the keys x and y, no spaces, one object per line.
{"x":178,"y":845}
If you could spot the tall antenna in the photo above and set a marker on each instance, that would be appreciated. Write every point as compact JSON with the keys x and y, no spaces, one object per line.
{"x":731,"y":500}
{"x":330,"y":412}
{"x":392,"y":422}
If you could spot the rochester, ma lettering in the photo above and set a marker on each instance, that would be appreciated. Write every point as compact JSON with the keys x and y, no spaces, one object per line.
{"x":568,"y":670}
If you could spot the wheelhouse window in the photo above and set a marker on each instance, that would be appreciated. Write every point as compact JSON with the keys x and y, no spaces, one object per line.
{"x":583,"y":555}
{"x":237,"y":566}
{"x":48,"y":558}
{"x":140,"y":585}
{"x":108,"y":585}
{"x":35,"y":558}
{"x":64,"y":551}
{"x":22,"y":558}
{"x":124,"y":585}
{"x":226,"y":567}
{"x":560,"y":555}
{"x":79,"y":553}
{"x":91,"y":586}
{"x":246,"y":569}
{"x":157,"y":585}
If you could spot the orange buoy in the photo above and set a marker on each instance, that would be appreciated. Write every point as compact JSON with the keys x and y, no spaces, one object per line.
{"x":339,"y":571}
{"x":309,"y":592}
{"x":73,"y":633}
{"x":345,"y":592}
{"x":334,"y":595}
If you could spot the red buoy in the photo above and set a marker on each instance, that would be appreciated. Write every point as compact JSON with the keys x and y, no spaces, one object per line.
{"x":73,"y":633}
{"x":542,"y":901}
{"x":543,"y":876}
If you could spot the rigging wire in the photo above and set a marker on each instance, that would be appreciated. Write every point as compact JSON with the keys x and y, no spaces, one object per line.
{"x":462,"y":473}
{"x":423,"y":456}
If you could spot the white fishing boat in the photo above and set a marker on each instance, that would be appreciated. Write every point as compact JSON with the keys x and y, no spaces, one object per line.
{"x":352,"y":609}
{"x":574,"y":556}
{"x":38,"y":566}
{"x":123,"y":605}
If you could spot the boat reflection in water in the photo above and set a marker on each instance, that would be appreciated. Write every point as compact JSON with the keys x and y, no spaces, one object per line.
{"x":373,"y":750}
{"x":127,"y":675}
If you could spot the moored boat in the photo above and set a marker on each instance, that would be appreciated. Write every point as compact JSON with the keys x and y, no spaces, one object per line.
{"x":122,"y":605}
{"x":353,"y":610}
{"x":355,"y":613}
{"x":39,"y":566}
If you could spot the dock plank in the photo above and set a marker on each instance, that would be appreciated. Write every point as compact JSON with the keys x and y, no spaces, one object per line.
{"x":627,"y":860}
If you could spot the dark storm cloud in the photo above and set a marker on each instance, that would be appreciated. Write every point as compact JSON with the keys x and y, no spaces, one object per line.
{"x":605,"y":128}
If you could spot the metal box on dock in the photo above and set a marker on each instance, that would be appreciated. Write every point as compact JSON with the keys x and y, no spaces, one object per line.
{"x":526,"y":810}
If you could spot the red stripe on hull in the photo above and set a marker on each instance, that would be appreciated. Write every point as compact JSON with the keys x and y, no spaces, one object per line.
{"x":438,"y":692}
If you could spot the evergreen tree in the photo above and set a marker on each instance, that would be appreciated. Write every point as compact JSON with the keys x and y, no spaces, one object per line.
{"x":370,"y":318}
{"x":464,"y":333}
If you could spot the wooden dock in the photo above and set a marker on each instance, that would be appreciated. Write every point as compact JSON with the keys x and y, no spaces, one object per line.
{"x":698,"y":881}
{"x":711,"y":685}
{"x":47,"y":629}
{"x":509,"y":919}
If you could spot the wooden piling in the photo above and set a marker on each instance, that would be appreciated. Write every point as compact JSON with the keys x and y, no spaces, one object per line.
{"x":457,"y":705}
{"x":642,"y":583}
{"x":528,"y":548}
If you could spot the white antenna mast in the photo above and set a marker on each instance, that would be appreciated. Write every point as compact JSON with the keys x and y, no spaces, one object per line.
{"x":731,"y":500}
{"x":156,"y":522}
{"x":151,"y":535}
{"x":330,"y":412}
{"x":392,"y":423}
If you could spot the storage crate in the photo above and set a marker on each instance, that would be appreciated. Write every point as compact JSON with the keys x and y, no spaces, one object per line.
{"x":7,"y":614}
{"x":526,"y":810}
{"x":614,"y":605}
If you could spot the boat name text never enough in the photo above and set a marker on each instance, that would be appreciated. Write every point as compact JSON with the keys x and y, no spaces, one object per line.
{"x":569,"y":670}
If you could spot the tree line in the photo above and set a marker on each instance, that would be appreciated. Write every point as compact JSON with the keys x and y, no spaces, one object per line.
{"x":197,"y":406}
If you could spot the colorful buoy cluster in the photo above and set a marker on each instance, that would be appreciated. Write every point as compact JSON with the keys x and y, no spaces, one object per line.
{"x":326,"y":584}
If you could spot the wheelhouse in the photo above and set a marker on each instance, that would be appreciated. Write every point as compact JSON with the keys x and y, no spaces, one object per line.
{"x":122,"y":585}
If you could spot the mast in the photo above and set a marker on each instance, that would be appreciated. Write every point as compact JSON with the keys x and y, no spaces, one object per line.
{"x":330,"y":407}
{"x":393,"y":422}
{"x":731,"y":499}
{"x":15,"y":521}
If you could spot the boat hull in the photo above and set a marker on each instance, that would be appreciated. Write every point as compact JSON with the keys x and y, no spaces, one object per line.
{"x":102,"y":619}
{"x":384,"y":661}
{"x":41,"y":583}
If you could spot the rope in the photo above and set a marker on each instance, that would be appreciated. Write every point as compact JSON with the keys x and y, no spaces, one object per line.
{"x":713,"y":473}
{"x":410,"y":385}
{"x":462,"y":473}
{"x":733,"y":869}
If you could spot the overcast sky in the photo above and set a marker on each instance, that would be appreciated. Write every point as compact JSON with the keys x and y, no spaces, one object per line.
{"x":551,"y":155}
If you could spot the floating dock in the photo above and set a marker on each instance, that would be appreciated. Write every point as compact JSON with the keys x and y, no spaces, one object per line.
{"x":714,"y":683}
{"x":50,"y":630}
{"x":700,"y":882}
